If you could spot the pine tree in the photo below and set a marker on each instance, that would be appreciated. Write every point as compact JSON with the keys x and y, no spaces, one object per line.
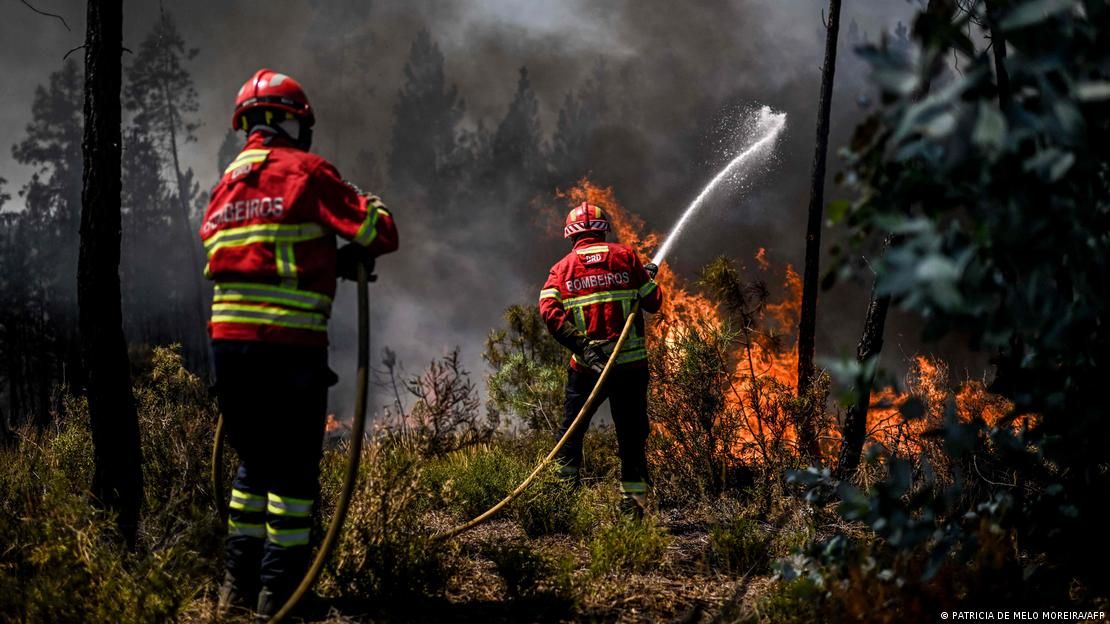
{"x":424,"y":154}
{"x":40,"y":299}
{"x":53,"y":195}
{"x":583,"y":112}
{"x":517,"y":152}
{"x":161,"y":94}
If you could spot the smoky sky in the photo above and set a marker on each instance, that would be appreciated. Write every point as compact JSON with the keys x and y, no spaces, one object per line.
{"x":678,"y":74}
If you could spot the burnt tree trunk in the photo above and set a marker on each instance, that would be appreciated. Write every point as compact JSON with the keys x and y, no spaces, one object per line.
{"x":870,"y":346}
{"x":807,"y":325}
{"x":117,"y":477}
{"x":998,"y":48}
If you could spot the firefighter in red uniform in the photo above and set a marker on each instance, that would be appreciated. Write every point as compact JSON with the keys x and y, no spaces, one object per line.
{"x":270,"y":233}
{"x":585,"y":302}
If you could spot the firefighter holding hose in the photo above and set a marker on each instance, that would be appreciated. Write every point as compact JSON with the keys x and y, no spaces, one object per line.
{"x":585,"y":302}
{"x":270,"y":235}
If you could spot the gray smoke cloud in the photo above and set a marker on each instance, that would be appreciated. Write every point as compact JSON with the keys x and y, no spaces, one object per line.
{"x":676,"y":72}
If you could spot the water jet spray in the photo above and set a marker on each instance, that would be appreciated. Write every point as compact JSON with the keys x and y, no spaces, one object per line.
{"x":766,"y":129}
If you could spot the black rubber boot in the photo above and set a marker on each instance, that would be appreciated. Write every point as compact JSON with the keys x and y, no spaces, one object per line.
{"x":234,"y":596}
{"x":269,"y":603}
{"x":632,"y":506}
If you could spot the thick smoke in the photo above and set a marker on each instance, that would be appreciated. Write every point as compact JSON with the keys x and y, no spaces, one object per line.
{"x":673,"y":74}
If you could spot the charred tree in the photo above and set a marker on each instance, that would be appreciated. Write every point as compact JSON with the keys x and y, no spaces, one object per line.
{"x":869,"y":347}
{"x":998,"y":49}
{"x":854,"y":431}
{"x":117,"y":478}
{"x":807,"y":325}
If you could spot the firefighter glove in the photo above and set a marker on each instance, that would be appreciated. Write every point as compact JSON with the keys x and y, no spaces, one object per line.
{"x":596,"y":354}
{"x":348,"y":259}
{"x":651,"y":269}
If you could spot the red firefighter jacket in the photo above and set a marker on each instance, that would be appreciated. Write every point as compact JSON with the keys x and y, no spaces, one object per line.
{"x":593,"y":287}
{"x":269,"y":232}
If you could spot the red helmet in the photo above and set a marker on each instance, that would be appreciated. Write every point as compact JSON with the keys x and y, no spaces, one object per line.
{"x":270,"y":89}
{"x":585,"y":217}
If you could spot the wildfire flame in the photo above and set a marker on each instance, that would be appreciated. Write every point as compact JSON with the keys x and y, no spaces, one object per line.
{"x":776,"y":362}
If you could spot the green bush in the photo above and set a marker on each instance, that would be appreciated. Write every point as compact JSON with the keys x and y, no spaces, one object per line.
{"x":476,"y":478}
{"x":529,"y":369}
{"x":63,"y":559}
{"x":796,"y":601}
{"x":529,"y":574}
{"x":739,"y":546}
{"x":384,"y":553}
{"x":548,"y":506}
{"x":627,"y":546}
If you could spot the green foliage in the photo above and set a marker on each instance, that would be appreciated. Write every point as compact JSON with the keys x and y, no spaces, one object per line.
{"x":995,"y":196}
{"x":796,"y":601}
{"x":476,"y":478}
{"x":627,"y":545}
{"x":529,"y":369}
{"x":549,"y":506}
{"x":529,"y":574}
{"x":739,"y":546}
{"x":64,"y":560}
{"x":384,"y":553}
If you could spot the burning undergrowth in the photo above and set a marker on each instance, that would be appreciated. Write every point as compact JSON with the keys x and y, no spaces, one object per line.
{"x":724,"y":402}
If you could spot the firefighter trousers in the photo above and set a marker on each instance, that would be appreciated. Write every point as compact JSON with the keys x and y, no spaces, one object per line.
{"x":274,"y":402}
{"x":626,"y":389}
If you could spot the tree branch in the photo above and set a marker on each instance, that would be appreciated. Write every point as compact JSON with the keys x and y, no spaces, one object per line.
{"x":54,"y":15}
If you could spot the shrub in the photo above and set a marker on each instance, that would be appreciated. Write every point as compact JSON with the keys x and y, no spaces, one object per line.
{"x":476,"y":478}
{"x":64,"y":560}
{"x":627,"y":546}
{"x":384,"y":553}
{"x":529,"y":574}
{"x":739,"y":546}
{"x":549,"y":505}
{"x":795,"y":601}
{"x":529,"y":369}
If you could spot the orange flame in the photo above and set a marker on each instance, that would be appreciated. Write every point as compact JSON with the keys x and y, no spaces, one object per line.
{"x":758,"y":363}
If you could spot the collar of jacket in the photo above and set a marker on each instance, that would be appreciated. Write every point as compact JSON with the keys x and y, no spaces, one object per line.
{"x":586,"y":240}
{"x":261,"y":138}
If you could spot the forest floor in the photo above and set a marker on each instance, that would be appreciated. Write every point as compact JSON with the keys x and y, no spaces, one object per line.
{"x":681,"y":586}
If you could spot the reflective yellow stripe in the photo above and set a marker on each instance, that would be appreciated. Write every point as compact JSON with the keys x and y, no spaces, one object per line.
{"x":287,"y":537}
{"x":247,"y":157}
{"x":594,"y":249}
{"x":632,"y":356}
{"x":289,"y":506}
{"x":647,"y":289}
{"x":246,"y":529}
{"x":259,"y":315}
{"x":245,"y":501}
{"x":264,"y":293}
{"x":368,"y":231}
{"x":601,"y":297}
{"x":550,"y":293}
{"x":263,"y":233}
{"x":634,"y":487}
{"x":286,"y":264}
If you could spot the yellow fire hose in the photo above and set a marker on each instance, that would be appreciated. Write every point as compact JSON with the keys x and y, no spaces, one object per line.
{"x":489,"y":513}
{"x":353,"y":456}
